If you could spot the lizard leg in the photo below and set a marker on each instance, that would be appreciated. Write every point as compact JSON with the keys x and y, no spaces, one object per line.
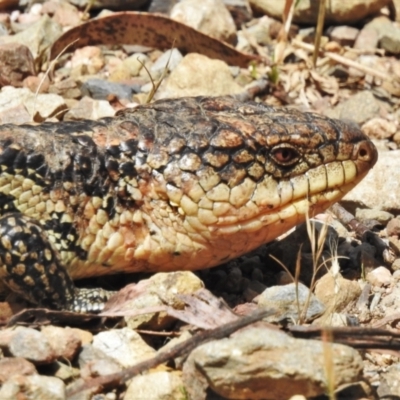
{"x":31,"y":267}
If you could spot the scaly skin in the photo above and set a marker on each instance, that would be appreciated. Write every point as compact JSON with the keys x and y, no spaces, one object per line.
{"x":178,"y":184}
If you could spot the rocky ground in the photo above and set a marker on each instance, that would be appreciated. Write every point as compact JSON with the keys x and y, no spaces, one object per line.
{"x":169,"y":336}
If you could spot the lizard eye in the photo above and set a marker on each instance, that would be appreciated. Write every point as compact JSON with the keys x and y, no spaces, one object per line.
{"x":285,"y":155}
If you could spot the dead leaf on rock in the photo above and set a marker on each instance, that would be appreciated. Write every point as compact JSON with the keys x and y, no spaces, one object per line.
{"x":202,"y":308}
{"x":148,"y":30}
{"x":119,"y":302}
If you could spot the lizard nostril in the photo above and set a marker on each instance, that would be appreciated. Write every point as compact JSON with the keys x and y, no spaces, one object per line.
{"x":366,"y":151}
{"x":363,"y":153}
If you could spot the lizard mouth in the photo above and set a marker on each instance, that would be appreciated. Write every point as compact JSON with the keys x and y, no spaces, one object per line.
{"x":286,"y":203}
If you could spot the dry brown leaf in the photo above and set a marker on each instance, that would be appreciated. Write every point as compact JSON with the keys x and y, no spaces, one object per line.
{"x":149,"y":30}
{"x":202,"y":308}
{"x":119,"y":301}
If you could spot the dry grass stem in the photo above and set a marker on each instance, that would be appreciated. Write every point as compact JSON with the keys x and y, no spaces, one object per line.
{"x":287,"y":17}
{"x":344,"y":61}
{"x":156,"y":85}
{"x":320,"y":27}
{"x":47,"y":73}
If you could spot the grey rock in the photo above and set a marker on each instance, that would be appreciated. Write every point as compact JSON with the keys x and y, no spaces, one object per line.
{"x":388,"y":33}
{"x":358,"y":108}
{"x":259,"y":363}
{"x":100,"y":89}
{"x":162,"y":6}
{"x":32,"y":345}
{"x":289,"y":299}
{"x":382,"y":217}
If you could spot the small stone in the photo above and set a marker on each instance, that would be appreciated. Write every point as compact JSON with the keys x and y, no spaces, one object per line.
{"x":44,"y":106}
{"x":37,"y":84}
{"x":88,"y":108}
{"x":15,"y":115}
{"x":123,"y":345}
{"x":65,"y":372}
{"x":344,"y":35}
{"x":64,"y":341}
{"x":171,"y":57}
{"x":30,"y":344}
{"x":359,"y":108}
{"x":393,"y":227}
{"x":156,"y":385}
{"x":396,"y":268}
{"x":67,"y":88}
{"x":367,"y":39}
{"x":88,"y":60}
{"x":16,"y":63}
{"x":390,"y":385}
{"x":38,"y":37}
{"x":198,"y":75}
{"x":135,"y":62}
{"x":33,"y":387}
{"x":207,"y":16}
{"x":382,"y":217}
{"x":379,"y":128}
{"x":338,"y":319}
{"x":85,"y":337}
{"x":288,"y":299}
{"x":388,"y":33}
{"x":380,"y":277}
{"x":100,"y":89}
{"x":11,"y":366}
{"x":336,"y":293}
{"x":63,"y":13}
{"x":94,"y":362}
